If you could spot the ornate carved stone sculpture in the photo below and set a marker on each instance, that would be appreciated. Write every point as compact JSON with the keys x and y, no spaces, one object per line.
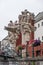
{"x":24,"y":27}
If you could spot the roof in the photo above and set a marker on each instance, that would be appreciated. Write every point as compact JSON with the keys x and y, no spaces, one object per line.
{"x":0,"y":42}
{"x":39,"y":17}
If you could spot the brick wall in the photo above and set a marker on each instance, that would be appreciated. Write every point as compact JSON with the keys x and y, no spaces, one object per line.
{"x":37,"y":48}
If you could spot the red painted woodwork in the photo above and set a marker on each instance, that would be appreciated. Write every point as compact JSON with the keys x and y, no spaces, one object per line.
{"x":18,"y":42}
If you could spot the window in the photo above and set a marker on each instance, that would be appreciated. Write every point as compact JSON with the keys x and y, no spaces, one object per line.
{"x":42,"y":52}
{"x":42,"y":23}
{"x":38,"y":38}
{"x":38,"y":53}
{"x":42,"y":37}
{"x":38,"y":25}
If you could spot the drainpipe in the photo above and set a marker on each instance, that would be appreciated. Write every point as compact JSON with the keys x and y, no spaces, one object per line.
{"x":33,"y":63}
{"x":32,"y":50}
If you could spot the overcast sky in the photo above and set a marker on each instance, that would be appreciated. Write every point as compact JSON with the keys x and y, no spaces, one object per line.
{"x":10,"y":9}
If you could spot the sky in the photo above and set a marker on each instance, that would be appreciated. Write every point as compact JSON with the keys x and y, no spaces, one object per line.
{"x":10,"y":9}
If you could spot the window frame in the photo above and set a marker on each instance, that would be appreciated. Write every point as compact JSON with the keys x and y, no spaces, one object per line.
{"x":42,"y":23}
{"x":38,"y":25}
{"x":42,"y":37}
